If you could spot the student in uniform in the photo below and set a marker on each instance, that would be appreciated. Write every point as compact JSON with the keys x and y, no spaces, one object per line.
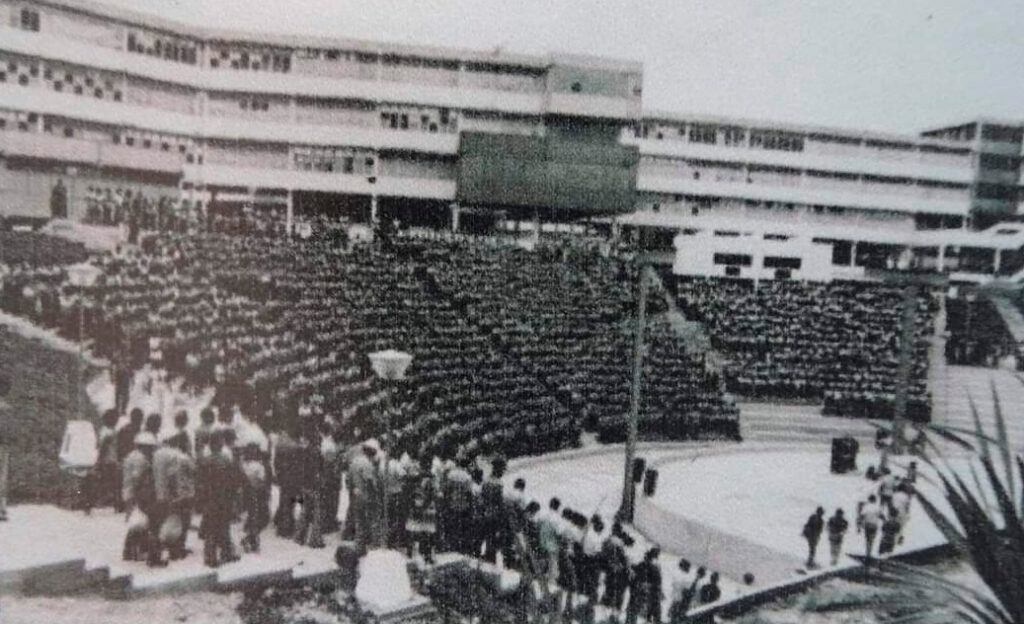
{"x":837,"y":526}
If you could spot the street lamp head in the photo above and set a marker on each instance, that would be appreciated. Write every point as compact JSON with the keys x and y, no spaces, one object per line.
{"x":83,"y":274}
{"x":390,"y":364}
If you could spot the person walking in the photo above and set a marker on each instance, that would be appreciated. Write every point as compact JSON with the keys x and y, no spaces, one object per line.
{"x":812,"y":533}
{"x":890,"y":531}
{"x":837,"y":526}
{"x":366,"y":496}
{"x":549,"y":530}
{"x":139,"y":496}
{"x":218,"y":486}
{"x":107,"y":484}
{"x":493,"y":517}
{"x":255,"y":497}
{"x":870,"y":520}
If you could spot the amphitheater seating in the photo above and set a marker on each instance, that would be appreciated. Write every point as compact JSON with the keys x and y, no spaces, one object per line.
{"x":513,"y":349}
{"x":978,"y":336}
{"x":836,"y":342}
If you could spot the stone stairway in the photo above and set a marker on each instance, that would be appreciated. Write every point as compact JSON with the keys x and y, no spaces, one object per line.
{"x":958,"y":385}
{"x":53,"y":551}
{"x":769,"y":422}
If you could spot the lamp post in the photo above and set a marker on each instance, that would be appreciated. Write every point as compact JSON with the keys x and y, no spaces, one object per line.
{"x":628,"y":485}
{"x":911,"y":283}
{"x":383,"y":584}
{"x":81,"y":276}
{"x":389,"y":365}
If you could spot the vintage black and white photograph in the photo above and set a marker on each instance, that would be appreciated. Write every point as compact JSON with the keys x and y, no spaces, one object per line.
{"x":491,"y":312}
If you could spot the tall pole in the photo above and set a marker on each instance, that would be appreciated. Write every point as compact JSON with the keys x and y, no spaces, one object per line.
{"x":81,"y":354}
{"x":387,"y":468}
{"x":628,"y":486}
{"x":906,"y":364}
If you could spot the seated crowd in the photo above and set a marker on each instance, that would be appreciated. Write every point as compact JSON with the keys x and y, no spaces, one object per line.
{"x":836,"y":342}
{"x":978,"y":336}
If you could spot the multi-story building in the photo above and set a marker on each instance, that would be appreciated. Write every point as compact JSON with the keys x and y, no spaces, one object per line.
{"x":96,"y":96}
{"x":756,"y":199}
{"x":99,"y":97}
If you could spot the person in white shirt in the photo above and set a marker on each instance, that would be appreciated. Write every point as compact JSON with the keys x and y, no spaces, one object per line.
{"x":549,"y":530}
{"x":901,"y":507}
{"x":870,"y":520}
{"x":593,"y":545}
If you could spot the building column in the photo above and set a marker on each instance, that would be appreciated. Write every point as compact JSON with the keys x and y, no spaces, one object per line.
{"x":455,"y":216}
{"x":289,"y":214}
{"x":940,"y":261}
{"x":997,"y":261}
{"x":373,"y":208}
{"x":853,"y":253}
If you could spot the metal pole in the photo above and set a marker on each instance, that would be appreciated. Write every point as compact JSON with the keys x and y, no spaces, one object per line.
{"x":81,"y":355}
{"x":906,"y":363}
{"x":629,"y":487}
{"x":387,"y":467}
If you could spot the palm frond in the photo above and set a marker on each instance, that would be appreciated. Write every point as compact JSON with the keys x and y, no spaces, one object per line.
{"x":1004,"y":444}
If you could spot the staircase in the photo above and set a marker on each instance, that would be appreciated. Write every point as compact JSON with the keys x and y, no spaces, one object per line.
{"x":52,"y":551}
{"x":799,"y":424}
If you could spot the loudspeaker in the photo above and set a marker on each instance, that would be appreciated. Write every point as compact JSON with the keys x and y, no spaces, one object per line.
{"x":638,"y":469}
{"x":844,"y":454}
{"x":650,"y":481}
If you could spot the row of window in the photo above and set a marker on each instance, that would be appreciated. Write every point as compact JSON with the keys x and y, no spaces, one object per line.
{"x":169,"y":49}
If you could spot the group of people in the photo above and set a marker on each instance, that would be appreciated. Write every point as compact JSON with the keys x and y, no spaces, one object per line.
{"x":836,"y":341}
{"x":467,"y":505}
{"x":513,"y":349}
{"x":978,"y":336}
{"x":161,"y":477}
{"x":885,"y":512}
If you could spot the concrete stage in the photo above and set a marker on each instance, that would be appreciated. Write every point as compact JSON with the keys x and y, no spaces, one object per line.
{"x":732,"y":508}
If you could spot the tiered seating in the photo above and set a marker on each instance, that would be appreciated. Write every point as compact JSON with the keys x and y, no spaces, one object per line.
{"x":978,"y":334}
{"x":836,"y":342}
{"x":514,"y":350}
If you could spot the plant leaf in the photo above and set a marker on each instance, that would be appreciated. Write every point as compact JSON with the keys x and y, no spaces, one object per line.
{"x":1004,"y":444}
{"x":979,"y":433}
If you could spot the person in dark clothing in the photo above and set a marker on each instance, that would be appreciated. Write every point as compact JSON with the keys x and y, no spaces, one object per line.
{"x":616,"y":569}
{"x":139,"y":494}
{"x":687,"y":597}
{"x":255,"y":497}
{"x":288,"y":457}
{"x":153,"y":424}
{"x":180,"y":438}
{"x":812,"y":533}
{"x":645,"y":592}
{"x":710,"y":592}
{"x":837,"y":527}
{"x":495,"y":523}
{"x":107,"y":483}
{"x":124,"y":442}
{"x":890,"y":531}
{"x":59,"y":201}
{"x":218,"y":485}
{"x":126,"y":435}
{"x":204,"y":431}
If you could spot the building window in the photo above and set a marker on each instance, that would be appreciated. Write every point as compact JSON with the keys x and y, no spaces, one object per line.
{"x":733,"y":259}
{"x":777,"y":141}
{"x":30,"y":20}
{"x":117,"y":96}
{"x":703,"y":134}
{"x":734,"y":136}
{"x":69,"y":132}
{"x":780,"y":262}
{"x":129,"y":141}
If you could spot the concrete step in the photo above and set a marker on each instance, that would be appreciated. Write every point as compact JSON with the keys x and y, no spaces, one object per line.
{"x":173,"y":580}
{"x":39,"y":577}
